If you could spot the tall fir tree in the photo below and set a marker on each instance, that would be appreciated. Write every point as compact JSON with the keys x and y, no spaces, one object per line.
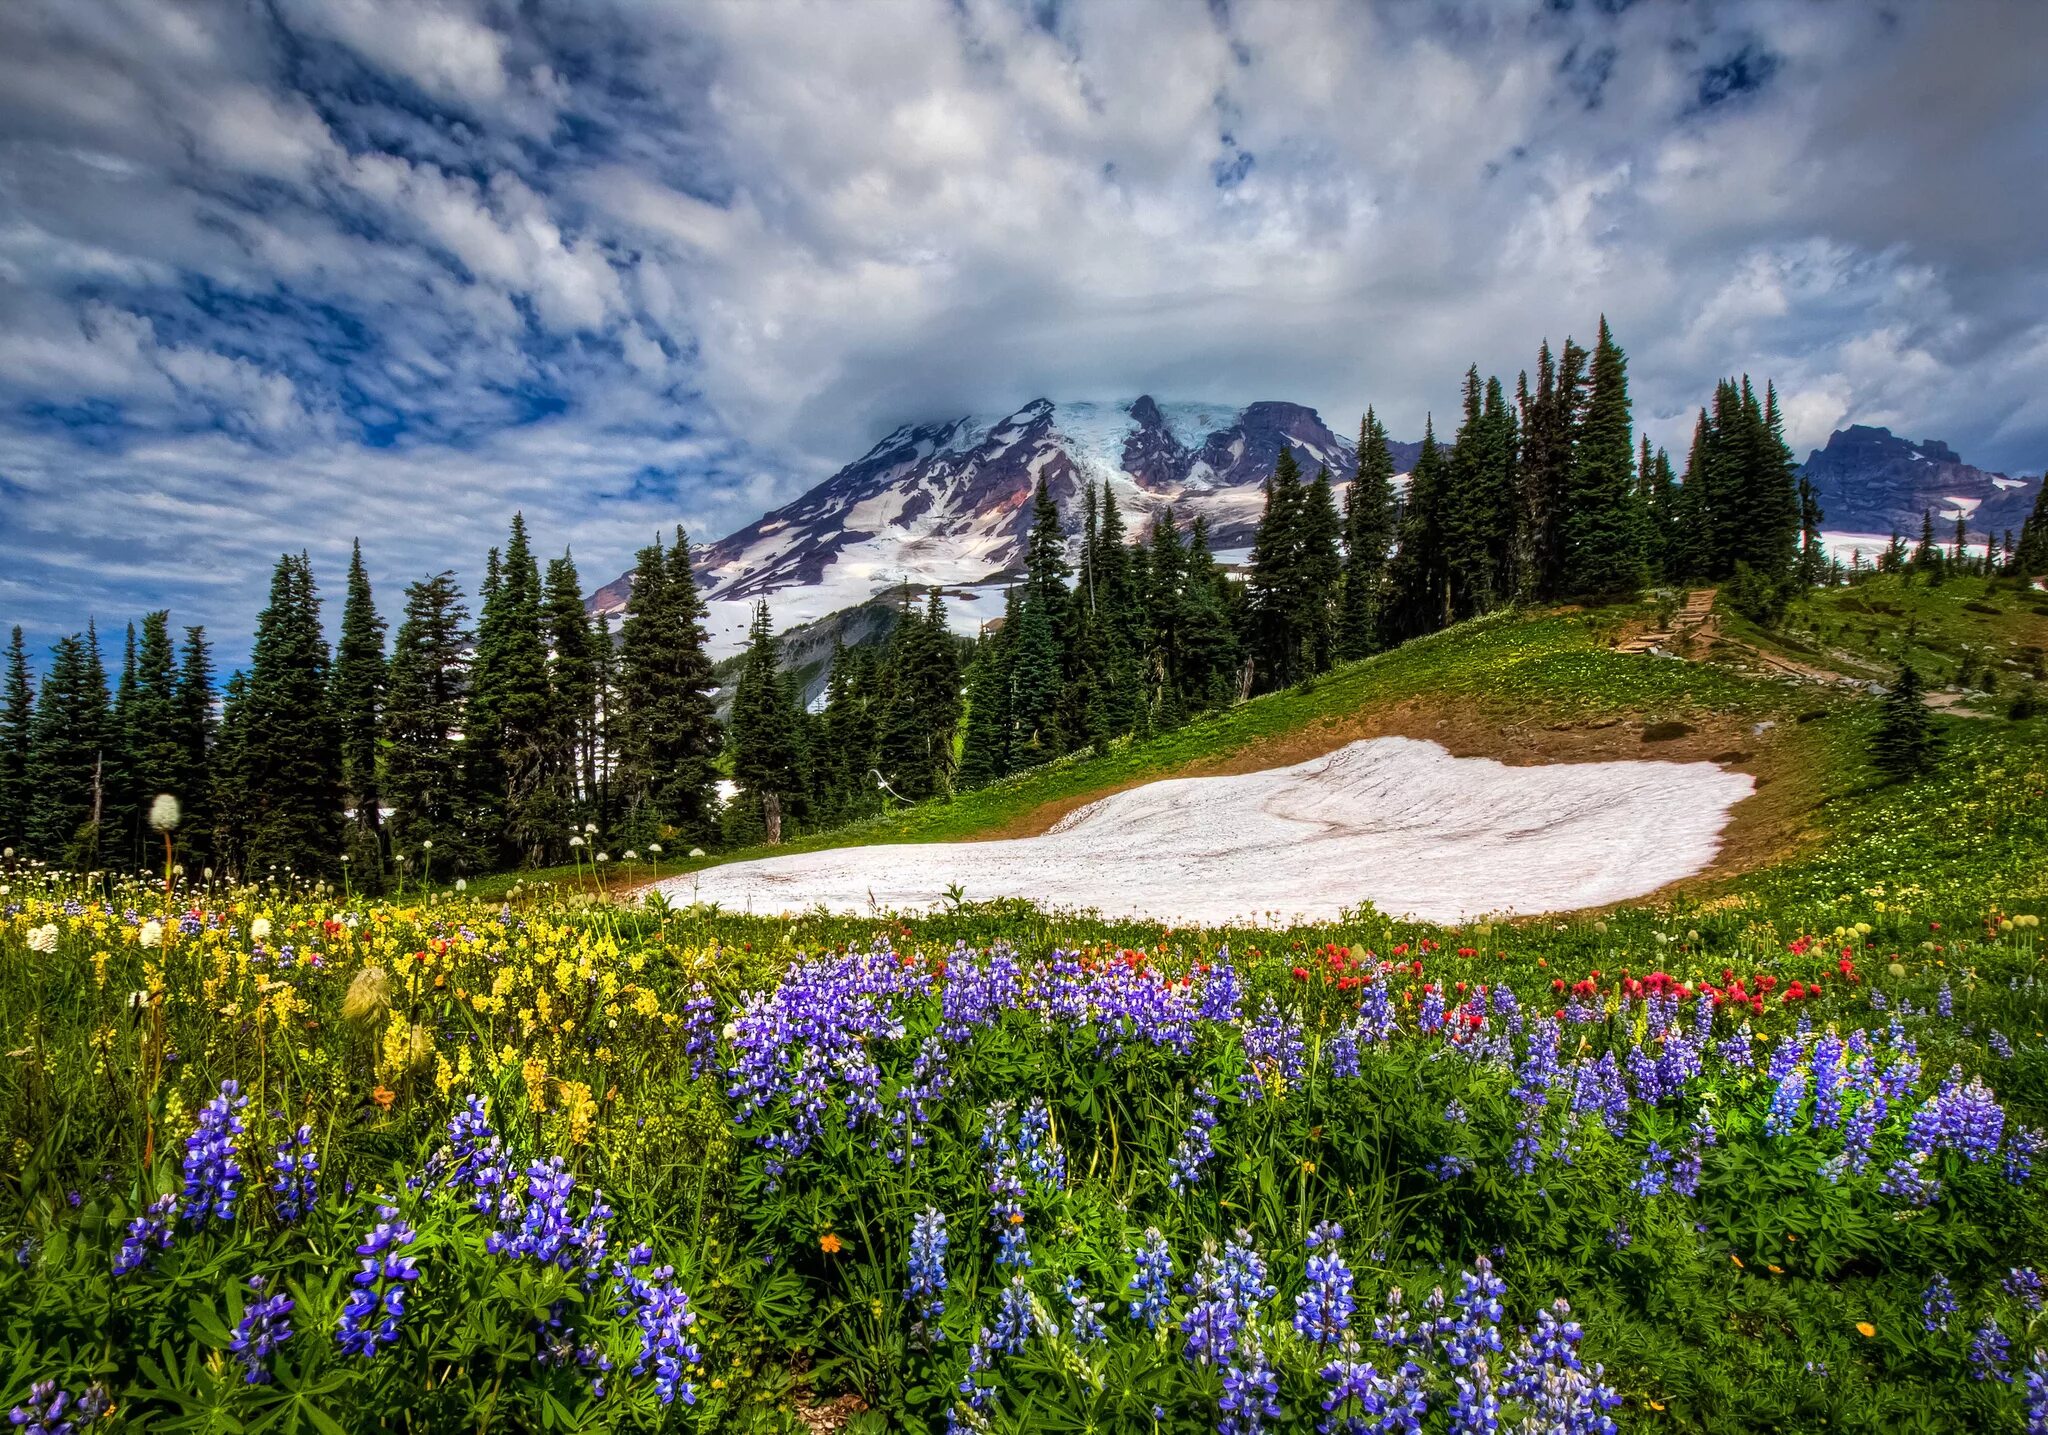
{"x":1418,"y":576}
{"x":669,"y":726}
{"x":121,"y":817}
{"x":1602,"y":531}
{"x":290,"y":752}
{"x":984,"y":746}
{"x":229,"y":770}
{"x":1905,"y":744}
{"x":508,"y":728}
{"x":67,"y":753}
{"x":156,"y":752}
{"x":2030,"y":555}
{"x":1037,"y":667}
{"x":1368,"y":538}
{"x":426,"y":688}
{"x":1318,"y":580}
{"x":359,"y":676}
{"x":920,"y":703}
{"x":197,"y":731}
{"x":17,"y":722}
{"x":844,"y":778}
{"x":765,"y":730}
{"x":573,"y":683}
{"x":1278,"y":642}
{"x":1211,"y":657}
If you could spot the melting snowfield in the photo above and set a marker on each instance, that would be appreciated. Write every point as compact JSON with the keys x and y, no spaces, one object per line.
{"x":1391,"y":820}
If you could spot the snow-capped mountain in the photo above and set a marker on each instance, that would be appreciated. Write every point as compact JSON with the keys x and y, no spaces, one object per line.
{"x":1869,"y":481}
{"x":949,"y":503}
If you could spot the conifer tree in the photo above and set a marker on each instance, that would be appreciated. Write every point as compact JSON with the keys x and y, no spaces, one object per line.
{"x":67,"y":754}
{"x":290,"y":755}
{"x":1479,"y":504}
{"x":1926,"y":557}
{"x":1421,"y":602}
{"x":196,"y":739}
{"x":573,"y":684}
{"x":669,"y":725}
{"x":426,"y":686}
{"x":509,"y":727}
{"x":1660,"y":502}
{"x":1368,"y":536}
{"x":1120,"y":622}
{"x":17,"y":720}
{"x":229,"y":767}
{"x":608,"y":728}
{"x":121,"y":814}
{"x":1319,"y":577}
{"x":766,"y":731}
{"x":1905,"y":743}
{"x":1813,"y":553}
{"x":1211,"y":658}
{"x":920,"y":704}
{"x":1549,"y":423}
{"x":2030,"y":557}
{"x":1602,"y":531}
{"x":155,"y":730}
{"x":1167,"y":603}
{"x":845,"y":776}
{"x":358,"y":703}
{"x":1279,"y":645}
{"x":1037,"y":669}
{"x":984,"y":748}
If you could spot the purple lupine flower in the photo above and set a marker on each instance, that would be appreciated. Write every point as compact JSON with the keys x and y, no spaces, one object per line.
{"x":699,"y":1022}
{"x":1945,"y":1000}
{"x":1653,"y":1177}
{"x":297,"y":1180}
{"x":1274,"y":1052}
{"x":1084,"y":1316}
{"x":1150,"y":1286}
{"x":154,"y":1227}
{"x":1785,"y":1102}
{"x":1196,"y":1149}
{"x":1013,"y":1318}
{"x":1905,"y":1180}
{"x":265,"y":1325}
{"x":370,"y":1316}
{"x":2035,"y":1395}
{"x":1938,"y":1304}
{"x":2023,"y":1284}
{"x":213,"y":1175}
{"x":1376,"y":1016}
{"x":1828,"y":1054}
{"x":1990,"y":1348}
{"x":52,"y":1410}
{"x":2020,"y":1150}
{"x":1039,"y":1147}
{"x":927,"y":1289}
{"x":1322,"y":1312}
{"x":1249,"y":1391}
{"x":661,"y":1308}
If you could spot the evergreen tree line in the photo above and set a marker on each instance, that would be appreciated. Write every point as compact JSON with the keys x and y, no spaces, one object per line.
{"x":457,"y":747}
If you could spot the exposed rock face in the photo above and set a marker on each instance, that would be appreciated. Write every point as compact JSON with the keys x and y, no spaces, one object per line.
{"x":1871,"y":481}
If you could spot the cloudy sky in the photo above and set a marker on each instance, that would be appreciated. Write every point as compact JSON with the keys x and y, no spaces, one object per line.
{"x":277,"y":273}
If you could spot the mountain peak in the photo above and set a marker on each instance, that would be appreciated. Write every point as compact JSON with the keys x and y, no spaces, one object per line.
{"x":1870,"y":480}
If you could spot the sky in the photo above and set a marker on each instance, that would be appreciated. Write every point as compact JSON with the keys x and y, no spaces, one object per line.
{"x":278,"y":274}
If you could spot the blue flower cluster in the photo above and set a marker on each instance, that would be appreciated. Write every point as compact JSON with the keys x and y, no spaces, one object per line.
{"x":370,"y":1315}
{"x":213,"y":1174}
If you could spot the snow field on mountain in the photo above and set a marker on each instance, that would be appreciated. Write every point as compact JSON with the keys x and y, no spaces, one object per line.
{"x":1391,"y":820}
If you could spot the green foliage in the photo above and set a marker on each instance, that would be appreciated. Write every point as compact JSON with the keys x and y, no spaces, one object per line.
{"x":1905,"y":743}
{"x":289,"y":761}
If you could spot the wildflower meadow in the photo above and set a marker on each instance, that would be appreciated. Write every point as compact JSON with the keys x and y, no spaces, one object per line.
{"x":286,"y":1159}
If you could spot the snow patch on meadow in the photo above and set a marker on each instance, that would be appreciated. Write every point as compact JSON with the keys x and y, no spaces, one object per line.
{"x":1394,"y":821}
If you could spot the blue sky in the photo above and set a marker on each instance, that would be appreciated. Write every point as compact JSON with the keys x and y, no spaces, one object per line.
{"x":277,"y":276}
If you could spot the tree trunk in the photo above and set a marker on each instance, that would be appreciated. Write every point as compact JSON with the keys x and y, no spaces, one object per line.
{"x":771,"y":817}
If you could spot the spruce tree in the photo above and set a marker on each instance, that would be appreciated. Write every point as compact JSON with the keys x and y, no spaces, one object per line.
{"x":156,"y":748}
{"x":1318,"y":579}
{"x":196,"y":738}
{"x":231,"y":806}
{"x":573,"y":682}
{"x":358,"y":702}
{"x":764,"y":729}
{"x":67,"y":754}
{"x":920,"y":703}
{"x":1121,"y":623}
{"x":1368,"y":536}
{"x":1280,"y":645}
{"x":1813,"y":553}
{"x":845,"y":775}
{"x":1602,"y":531}
{"x":426,"y":686}
{"x":669,"y":725}
{"x":2030,"y":557}
{"x":1167,"y":603}
{"x":1418,"y":577}
{"x":17,"y":721}
{"x":984,"y":747}
{"x":508,"y":727}
{"x":1211,"y":658}
{"x":121,"y":816}
{"x":1905,"y":743}
{"x":1037,"y":665}
{"x":290,"y":752}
